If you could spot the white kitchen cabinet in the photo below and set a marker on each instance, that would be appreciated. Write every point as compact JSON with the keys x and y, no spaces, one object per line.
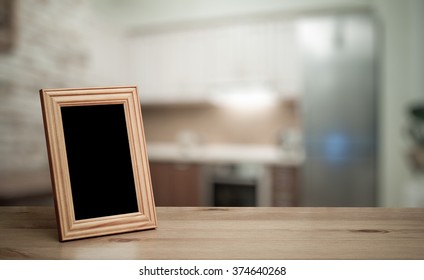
{"x":193,"y":62}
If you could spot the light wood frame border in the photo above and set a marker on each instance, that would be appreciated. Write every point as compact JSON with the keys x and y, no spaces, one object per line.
{"x":52,"y":100}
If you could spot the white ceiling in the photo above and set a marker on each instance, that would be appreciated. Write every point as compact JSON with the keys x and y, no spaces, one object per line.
{"x":139,"y":13}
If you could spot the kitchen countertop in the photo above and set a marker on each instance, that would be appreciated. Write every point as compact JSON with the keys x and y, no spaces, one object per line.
{"x":227,"y":233}
{"x":215,"y":153}
{"x":29,"y":184}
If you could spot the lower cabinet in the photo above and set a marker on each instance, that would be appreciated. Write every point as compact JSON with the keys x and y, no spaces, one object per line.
{"x":285,"y":186}
{"x":175,"y":184}
{"x":179,"y":184}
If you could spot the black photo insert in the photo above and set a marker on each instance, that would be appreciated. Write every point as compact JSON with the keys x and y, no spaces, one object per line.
{"x":99,"y":160}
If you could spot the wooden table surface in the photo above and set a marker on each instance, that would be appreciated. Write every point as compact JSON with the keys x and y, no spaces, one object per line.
{"x":227,"y":233}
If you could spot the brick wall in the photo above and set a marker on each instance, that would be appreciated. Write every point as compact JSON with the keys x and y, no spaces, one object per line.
{"x":51,"y":50}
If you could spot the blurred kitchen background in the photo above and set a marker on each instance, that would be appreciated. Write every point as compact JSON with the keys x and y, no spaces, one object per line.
{"x":245,"y":103}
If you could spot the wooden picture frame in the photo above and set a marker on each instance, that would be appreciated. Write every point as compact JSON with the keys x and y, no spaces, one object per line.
{"x":98,"y":161}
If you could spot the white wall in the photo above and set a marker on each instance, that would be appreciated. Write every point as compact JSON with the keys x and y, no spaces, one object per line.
{"x":401,"y":83}
{"x":416,"y":22}
{"x":109,"y":56}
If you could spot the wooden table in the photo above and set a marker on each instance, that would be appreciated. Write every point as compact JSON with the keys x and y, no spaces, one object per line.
{"x":227,"y":233}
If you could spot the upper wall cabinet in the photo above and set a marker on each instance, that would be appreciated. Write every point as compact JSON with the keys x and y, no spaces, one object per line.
{"x":195,"y":61}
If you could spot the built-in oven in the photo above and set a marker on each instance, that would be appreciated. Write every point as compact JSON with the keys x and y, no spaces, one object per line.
{"x":234,"y":192}
{"x":235,"y":185}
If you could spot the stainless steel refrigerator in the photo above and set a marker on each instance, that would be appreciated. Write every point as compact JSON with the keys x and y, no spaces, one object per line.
{"x":339,"y":109}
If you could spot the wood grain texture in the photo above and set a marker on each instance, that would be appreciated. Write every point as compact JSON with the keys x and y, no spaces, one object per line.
{"x":227,"y":233}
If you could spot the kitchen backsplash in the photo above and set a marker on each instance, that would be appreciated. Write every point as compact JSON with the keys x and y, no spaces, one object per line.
{"x":213,"y":124}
